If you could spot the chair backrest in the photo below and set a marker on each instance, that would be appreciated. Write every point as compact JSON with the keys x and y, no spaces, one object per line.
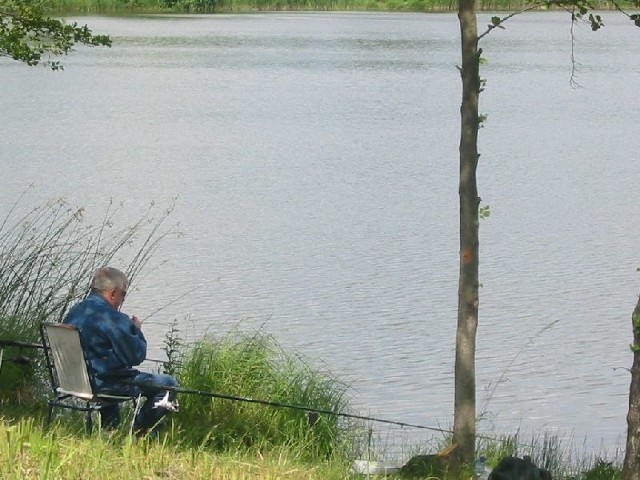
{"x":67,"y":364}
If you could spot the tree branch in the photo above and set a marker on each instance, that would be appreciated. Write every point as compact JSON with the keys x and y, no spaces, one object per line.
{"x":27,"y":35}
{"x":496,"y":22}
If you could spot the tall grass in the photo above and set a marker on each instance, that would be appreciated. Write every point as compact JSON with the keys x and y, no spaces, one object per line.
{"x":47,"y":258}
{"x":560,"y":455}
{"x":254,"y":366}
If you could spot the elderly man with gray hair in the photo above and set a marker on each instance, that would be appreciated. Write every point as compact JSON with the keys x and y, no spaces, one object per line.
{"x":114,"y":344}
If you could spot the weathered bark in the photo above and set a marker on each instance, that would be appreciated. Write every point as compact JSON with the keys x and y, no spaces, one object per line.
{"x":631,"y":466}
{"x":464,"y":422}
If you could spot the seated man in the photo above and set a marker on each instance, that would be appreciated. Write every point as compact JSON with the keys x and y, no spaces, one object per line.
{"x":113,"y":344}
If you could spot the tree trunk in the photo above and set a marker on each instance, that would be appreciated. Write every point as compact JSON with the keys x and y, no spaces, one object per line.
{"x":631,"y":467}
{"x":464,"y":421}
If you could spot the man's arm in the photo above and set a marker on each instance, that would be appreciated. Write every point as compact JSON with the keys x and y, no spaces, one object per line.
{"x":128,"y":342}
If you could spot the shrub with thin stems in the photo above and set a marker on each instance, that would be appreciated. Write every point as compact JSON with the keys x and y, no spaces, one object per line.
{"x":254,"y":366}
{"x":47,"y":258}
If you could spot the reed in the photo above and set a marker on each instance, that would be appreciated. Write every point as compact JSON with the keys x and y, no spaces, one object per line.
{"x":47,"y":258}
{"x":563,"y":456}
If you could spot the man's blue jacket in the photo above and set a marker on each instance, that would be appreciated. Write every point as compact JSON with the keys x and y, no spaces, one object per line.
{"x":112,"y":343}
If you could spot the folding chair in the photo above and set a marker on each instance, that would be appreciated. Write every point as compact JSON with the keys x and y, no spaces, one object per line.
{"x":71,"y":377}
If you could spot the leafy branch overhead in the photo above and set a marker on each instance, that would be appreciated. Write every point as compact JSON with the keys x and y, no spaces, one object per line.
{"x":579,"y":10}
{"x":29,"y":36}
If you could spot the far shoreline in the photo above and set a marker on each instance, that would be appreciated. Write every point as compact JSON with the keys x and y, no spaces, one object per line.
{"x":212,"y":7}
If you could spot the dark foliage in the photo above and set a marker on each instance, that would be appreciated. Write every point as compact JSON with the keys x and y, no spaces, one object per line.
{"x":29,"y":36}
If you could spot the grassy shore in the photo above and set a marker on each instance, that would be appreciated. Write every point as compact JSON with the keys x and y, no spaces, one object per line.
{"x":28,"y":451}
{"x":63,"y":451}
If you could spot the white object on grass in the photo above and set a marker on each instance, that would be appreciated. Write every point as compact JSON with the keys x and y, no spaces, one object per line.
{"x":167,"y":404}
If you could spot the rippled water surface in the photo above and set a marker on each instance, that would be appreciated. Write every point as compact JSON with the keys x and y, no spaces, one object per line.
{"x":314,"y":158}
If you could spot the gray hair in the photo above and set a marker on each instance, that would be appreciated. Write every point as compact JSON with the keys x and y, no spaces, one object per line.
{"x":109,"y":278}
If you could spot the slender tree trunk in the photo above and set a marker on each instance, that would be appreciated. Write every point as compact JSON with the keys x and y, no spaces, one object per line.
{"x":464,"y":422}
{"x":631,"y":467}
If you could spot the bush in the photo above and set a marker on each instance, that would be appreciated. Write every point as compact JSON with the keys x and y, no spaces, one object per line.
{"x":254,"y":367}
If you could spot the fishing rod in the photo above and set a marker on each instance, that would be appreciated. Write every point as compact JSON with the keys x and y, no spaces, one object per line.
{"x":19,"y":344}
{"x":303,"y":408}
{"x":225,"y":396}
{"x":272,"y":403}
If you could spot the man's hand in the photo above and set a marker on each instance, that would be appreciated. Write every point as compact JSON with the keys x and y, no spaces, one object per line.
{"x":136,"y":321}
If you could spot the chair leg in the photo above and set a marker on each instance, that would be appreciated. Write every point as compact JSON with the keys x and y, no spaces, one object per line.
{"x":137,"y":401}
{"x":49,"y":415}
{"x":89,"y":419}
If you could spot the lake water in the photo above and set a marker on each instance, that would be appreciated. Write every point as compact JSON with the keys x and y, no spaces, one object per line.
{"x":314,"y":160}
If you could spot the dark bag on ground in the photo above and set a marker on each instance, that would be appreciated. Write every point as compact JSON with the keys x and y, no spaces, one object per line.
{"x":514,"y":468}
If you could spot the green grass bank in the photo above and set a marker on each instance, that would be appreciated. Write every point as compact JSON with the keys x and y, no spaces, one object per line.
{"x":63,"y":451}
{"x":28,"y":451}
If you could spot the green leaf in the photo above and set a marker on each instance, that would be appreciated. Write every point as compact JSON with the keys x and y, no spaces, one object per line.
{"x":596,"y":22}
{"x":27,"y":35}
